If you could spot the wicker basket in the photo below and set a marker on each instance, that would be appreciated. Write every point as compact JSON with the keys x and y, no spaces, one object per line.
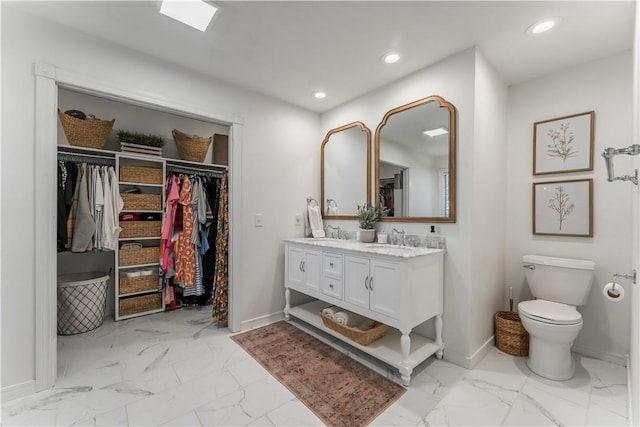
{"x":191,"y":148}
{"x":139,"y":304}
{"x":361,"y":337}
{"x":129,"y":285}
{"x":140,"y":229}
{"x":146,"y":202}
{"x":511,"y":337}
{"x":86,"y":133}
{"x":145,"y":255}
{"x":141,"y":174}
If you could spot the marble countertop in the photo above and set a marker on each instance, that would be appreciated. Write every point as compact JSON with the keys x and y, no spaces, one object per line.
{"x":372,"y":248}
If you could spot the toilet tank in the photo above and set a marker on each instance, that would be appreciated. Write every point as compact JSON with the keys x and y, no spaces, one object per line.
{"x":562,"y":280}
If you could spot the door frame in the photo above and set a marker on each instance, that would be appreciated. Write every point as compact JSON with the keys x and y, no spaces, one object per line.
{"x":48,"y":79}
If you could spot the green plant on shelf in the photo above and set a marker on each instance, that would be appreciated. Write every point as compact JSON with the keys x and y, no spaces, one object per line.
{"x":140,"y":138}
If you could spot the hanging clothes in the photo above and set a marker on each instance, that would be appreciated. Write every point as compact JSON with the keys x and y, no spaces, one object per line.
{"x":221,"y":275}
{"x":185,"y":261}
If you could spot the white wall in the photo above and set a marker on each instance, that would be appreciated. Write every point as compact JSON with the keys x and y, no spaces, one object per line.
{"x":605,"y":87}
{"x":489,"y":204}
{"x":454,"y":79}
{"x":279,"y":156}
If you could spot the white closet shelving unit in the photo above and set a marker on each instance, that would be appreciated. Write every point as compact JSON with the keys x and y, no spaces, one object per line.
{"x":138,"y":286}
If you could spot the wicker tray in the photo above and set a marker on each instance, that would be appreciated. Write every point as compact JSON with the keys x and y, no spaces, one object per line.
{"x":511,"y":337}
{"x":129,"y":285}
{"x":139,"y":304}
{"x":140,"y":228}
{"x":145,"y":255}
{"x":141,"y":174}
{"x":148,"y":202}
{"x":361,"y":337}
{"x":86,"y":133}
{"x":191,"y":148}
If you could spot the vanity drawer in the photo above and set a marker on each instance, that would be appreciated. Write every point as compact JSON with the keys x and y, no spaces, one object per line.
{"x":332,"y":263}
{"x":331,"y":285}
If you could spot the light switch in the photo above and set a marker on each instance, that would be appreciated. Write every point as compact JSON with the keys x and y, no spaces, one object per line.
{"x":258,"y":220}
{"x":298,"y":219}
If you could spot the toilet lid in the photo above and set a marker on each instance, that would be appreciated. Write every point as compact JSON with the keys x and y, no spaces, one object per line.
{"x":550,"y":312}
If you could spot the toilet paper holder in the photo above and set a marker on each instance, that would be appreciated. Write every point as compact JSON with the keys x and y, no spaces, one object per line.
{"x":631,"y":276}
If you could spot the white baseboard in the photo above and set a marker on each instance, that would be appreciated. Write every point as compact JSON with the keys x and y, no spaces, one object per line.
{"x":585,"y":350}
{"x":468,"y":362}
{"x":260,"y":321}
{"x":18,"y":390}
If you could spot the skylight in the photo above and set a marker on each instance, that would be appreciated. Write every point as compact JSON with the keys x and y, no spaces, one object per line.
{"x":435,"y":132}
{"x":194,"y":13}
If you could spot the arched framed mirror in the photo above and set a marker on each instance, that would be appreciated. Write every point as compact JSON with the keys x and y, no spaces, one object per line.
{"x":415,"y":164}
{"x":345,"y":170}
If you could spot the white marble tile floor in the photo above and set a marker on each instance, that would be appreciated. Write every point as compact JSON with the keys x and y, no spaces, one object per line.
{"x":178,"y":369}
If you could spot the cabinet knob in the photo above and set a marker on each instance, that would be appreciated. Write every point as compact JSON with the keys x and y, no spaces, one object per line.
{"x":366,"y":282}
{"x":371,"y":283}
{"x":331,"y":264}
{"x":331,"y":285}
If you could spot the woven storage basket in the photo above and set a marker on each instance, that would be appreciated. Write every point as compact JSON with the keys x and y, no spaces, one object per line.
{"x":140,"y":304}
{"x":147,"y":202}
{"x":511,"y":337}
{"x":146,"y":255}
{"x":140,"y":228}
{"x":129,"y":285}
{"x":86,"y":133}
{"x":361,"y":337}
{"x":141,"y":174}
{"x":191,"y":148}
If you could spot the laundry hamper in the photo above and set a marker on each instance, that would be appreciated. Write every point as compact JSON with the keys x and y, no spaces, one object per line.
{"x":82,"y":299}
{"x":511,"y":337}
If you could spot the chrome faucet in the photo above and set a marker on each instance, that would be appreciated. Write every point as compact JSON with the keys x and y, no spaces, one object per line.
{"x":394,"y":231}
{"x":336,"y":228}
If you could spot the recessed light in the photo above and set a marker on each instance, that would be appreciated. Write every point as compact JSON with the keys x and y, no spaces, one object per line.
{"x":435,"y":132}
{"x":391,"y":58}
{"x":194,"y":13}
{"x":542,"y":26}
{"x":319,"y":94}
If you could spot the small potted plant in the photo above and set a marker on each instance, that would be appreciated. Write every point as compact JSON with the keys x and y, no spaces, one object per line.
{"x":367,"y":217}
{"x":137,"y":138}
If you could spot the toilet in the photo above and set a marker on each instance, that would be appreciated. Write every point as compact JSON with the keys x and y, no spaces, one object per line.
{"x":552,"y":320}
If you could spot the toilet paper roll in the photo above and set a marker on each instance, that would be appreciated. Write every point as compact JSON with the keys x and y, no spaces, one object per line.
{"x":609,"y":287}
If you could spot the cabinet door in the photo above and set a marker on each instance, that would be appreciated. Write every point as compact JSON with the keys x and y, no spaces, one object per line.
{"x":385,"y":292}
{"x":311,"y":268}
{"x":295,"y":271}
{"x":356,"y":277}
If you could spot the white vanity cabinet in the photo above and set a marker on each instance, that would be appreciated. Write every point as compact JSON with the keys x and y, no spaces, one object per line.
{"x":303,"y":267}
{"x":401,"y":287}
{"x":373,"y":284}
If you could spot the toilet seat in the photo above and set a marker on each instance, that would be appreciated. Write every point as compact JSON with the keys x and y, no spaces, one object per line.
{"x":550,"y":312}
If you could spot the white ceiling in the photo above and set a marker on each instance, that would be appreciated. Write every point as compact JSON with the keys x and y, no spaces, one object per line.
{"x":290,"y":49}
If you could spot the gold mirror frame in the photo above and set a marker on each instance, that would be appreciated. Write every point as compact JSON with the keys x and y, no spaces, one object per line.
{"x":367,"y":133}
{"x":452,"y":158}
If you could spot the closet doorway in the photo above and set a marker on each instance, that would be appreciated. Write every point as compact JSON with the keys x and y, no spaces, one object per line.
{"x":57,"y":88}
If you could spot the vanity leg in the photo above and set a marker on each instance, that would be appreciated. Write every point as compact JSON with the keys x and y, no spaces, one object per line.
{"x":405,"y":369}
{"x":287,"y":296}
{"x":439,"y":343}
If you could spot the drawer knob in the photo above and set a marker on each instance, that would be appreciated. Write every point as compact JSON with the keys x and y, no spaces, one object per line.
{"x":331,"y":264}
{"x":331,"y":285}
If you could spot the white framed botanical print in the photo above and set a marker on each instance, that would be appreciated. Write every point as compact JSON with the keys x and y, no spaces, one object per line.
{"x":563,"y":144}
{"x":563,"y":208}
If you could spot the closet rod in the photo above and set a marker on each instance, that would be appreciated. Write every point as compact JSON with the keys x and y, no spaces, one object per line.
{"x":86,"y":158}
{"x":192,"y":170}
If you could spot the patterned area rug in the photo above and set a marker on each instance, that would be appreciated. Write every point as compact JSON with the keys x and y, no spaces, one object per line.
{"x":339,"y":390}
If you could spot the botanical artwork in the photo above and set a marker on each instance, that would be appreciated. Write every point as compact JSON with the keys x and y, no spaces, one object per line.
{"x":563,"y":208}
{"x":564,"y":144}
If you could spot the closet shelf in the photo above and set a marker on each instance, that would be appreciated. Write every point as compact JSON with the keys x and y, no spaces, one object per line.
{"x":132,"y":294}
{"x":151,"y":264}
{"x":138,"y":184}
{"x":131,"y":316}
{"x":138,"y":211}
{"x":128,"y":239}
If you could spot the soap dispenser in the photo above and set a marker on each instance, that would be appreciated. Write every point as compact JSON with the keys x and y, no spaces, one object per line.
{"x":433,"y":240}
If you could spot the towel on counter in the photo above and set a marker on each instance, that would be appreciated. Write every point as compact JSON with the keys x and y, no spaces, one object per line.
{"x":315,"y":220}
